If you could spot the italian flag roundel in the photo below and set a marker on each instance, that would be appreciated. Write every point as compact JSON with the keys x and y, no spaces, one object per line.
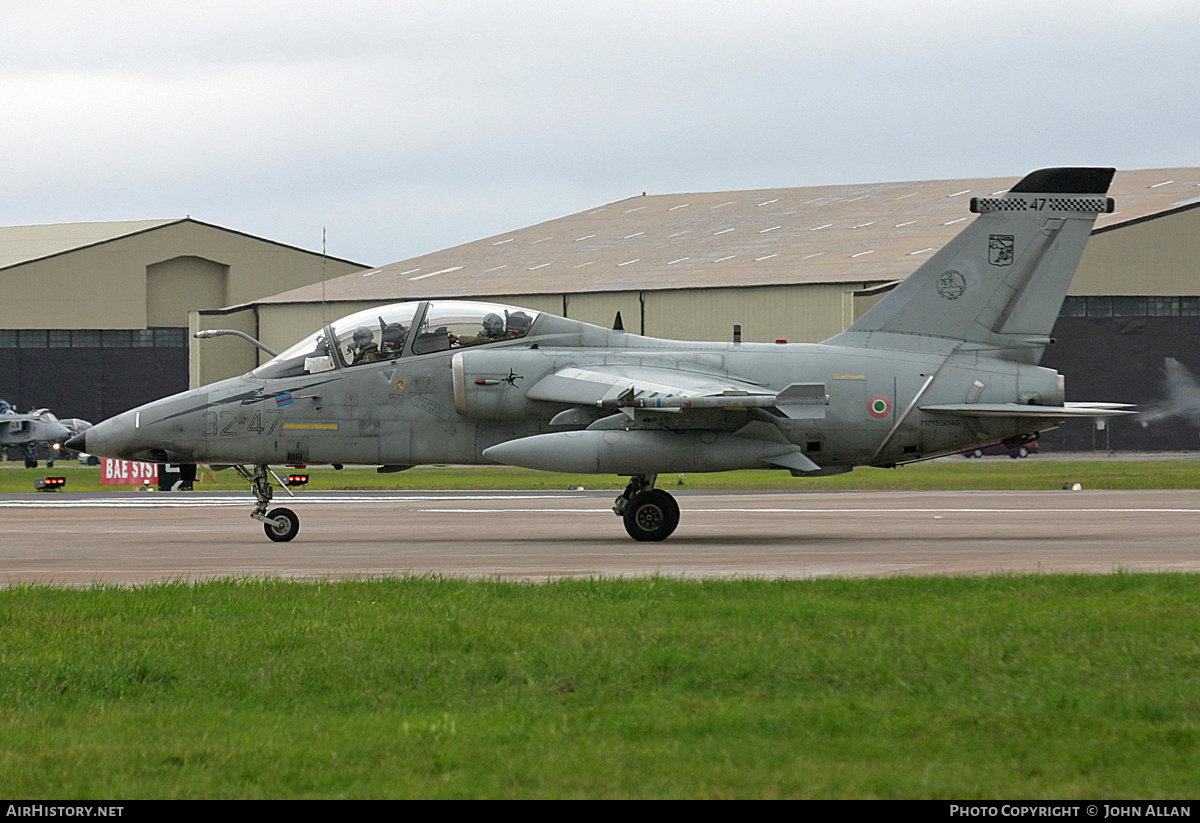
{"x":879,"y":406}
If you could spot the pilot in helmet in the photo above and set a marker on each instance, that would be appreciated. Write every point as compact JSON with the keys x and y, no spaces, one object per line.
{"x":364,"y":347}
{"x":493,"y":326}
{"x":493,"y":329}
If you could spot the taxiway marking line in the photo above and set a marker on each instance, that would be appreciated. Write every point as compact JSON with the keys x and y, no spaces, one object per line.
{"x":602,"y":505}
{"x":230,"y":501}
{"x":844,"y":511}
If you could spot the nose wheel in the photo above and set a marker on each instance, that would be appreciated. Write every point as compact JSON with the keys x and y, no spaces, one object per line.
{"x":649,"y":514}
{"x":281,"y":524}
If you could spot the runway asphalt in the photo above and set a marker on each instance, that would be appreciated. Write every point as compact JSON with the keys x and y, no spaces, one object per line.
{"x":131,"y":538}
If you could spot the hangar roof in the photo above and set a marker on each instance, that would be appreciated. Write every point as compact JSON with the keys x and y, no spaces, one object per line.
{"x":860,"y":234}
{"x":24,"y":244}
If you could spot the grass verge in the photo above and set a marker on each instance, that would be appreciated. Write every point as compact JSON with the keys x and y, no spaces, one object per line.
{"x":1001,"y":687}
{"x":937,"y":474}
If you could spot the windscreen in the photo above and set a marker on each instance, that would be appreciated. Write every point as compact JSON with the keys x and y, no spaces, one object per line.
{"x":309,"y":356}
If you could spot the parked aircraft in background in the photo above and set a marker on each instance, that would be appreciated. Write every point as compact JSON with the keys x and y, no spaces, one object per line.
{"x":38,"y":426}
{"x":947,"y":361}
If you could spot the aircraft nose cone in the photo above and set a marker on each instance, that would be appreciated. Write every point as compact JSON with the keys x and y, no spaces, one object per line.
{"x":78,"y":442}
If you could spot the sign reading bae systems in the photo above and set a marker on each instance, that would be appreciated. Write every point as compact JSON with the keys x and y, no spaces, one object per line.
{"x":127,"y":473}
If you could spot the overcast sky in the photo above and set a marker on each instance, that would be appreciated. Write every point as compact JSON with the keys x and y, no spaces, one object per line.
{"x":406,"y":127}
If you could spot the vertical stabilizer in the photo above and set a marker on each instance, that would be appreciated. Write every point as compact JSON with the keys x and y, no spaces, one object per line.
{"x":1000,"y":283}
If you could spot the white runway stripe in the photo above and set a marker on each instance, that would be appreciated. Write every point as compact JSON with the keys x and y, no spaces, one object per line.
{"x":798,"y":510}
{"x":601,"y":505}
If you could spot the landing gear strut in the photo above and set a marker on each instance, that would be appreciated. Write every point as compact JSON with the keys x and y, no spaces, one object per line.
{"x":281,"y":524}
{"x":650,"y":514}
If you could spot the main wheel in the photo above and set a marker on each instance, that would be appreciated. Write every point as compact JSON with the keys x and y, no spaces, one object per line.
{"x":651,"y":515}
{"x":284,"y":525}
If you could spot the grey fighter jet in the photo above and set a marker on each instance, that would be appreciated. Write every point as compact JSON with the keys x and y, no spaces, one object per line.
{"x":38,"y":426}
{"x":947,"y":361}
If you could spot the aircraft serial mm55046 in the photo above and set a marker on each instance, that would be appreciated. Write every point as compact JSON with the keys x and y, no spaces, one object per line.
{"x":948,"y":360}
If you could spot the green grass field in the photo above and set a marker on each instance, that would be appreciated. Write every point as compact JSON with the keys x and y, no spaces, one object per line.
{"x":1021,"y":687}
{"x":1001,"y":687}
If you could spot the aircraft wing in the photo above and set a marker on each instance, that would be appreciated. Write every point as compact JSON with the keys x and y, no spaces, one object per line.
{"x":1026,"y":411}
{"x":588,"y":385}
{"x":628,"y":387}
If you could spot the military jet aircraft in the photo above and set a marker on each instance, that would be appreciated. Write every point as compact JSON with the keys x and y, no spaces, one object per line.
{"x":38,"y":426}
{"x":946,"y":361}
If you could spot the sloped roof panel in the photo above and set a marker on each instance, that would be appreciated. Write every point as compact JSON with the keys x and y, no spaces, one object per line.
{"x":23,"y":244}
{"x":853,"y":234}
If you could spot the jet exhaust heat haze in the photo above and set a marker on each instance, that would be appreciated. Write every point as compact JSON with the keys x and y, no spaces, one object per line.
{"x":1182,"y":396}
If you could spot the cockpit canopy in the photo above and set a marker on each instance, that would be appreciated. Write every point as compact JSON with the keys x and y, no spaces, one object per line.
{"x":400,"y":330}
{"x":375,"y":334}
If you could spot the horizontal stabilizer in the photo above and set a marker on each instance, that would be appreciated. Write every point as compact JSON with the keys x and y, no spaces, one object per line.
{"x":1078,"y":405}
{"x":1026,"y":411}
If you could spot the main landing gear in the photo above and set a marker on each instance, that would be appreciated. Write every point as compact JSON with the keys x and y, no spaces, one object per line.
{"x":650,"y":514}
{"x":281,"y":524}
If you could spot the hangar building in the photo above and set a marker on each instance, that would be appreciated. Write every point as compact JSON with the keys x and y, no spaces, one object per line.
{"x":797,"y":264}
{"x":94,"y":316}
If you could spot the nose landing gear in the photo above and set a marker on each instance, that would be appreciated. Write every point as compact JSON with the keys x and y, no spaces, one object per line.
{"x":281,"y":524}
{"x":649,"y":514}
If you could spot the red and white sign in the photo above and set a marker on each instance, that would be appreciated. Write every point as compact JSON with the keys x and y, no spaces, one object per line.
{"x":127,"y":473}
